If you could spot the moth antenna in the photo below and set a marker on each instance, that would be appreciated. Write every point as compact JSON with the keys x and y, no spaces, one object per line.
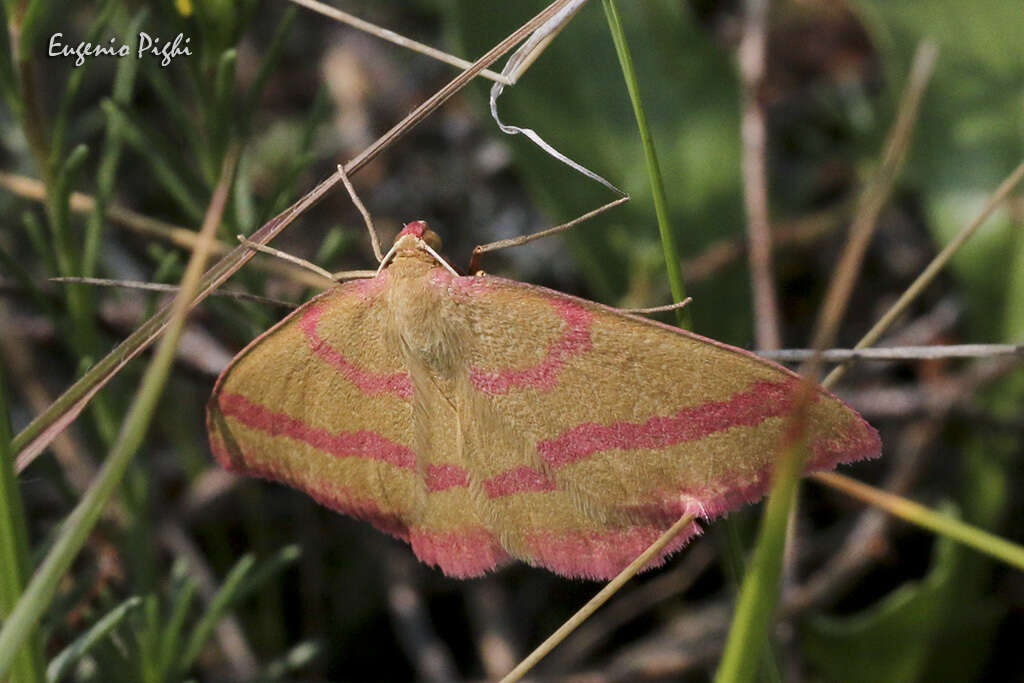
{"x":423,"y":245}
{"x":439,"y":258}
{"x":474,"y":260}
{"x":284,"y":256}
{"x":659,"y":309}
{"x":386,"y":258}
{"x":374,"y":240}
{"x":396,"y":38}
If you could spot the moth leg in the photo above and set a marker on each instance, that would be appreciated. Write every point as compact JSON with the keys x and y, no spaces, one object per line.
{"x":374,"y":239}
{"x":474,"y":260}
{"x":658,"y":309}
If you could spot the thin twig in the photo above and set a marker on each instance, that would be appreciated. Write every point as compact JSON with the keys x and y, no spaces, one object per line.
{"x":875,"y":194}
{"x":753,"y":51}
{"x":945,"y":525}
{"x":634,"y":604}
{"x":595,"y":602}
{"x":474,"y":260}
{"x":164,"y":287}
{"x":397,"y":39}
{"x":180,"y":236}
{"x":659,"y":309}
{"x":897,"y":353}
{"x":374,"y":240}
{"x":285,"y":256}
{"x":933,"y":269}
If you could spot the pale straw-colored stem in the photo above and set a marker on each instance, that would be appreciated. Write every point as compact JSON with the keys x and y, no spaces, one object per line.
{"x":595,"y":602}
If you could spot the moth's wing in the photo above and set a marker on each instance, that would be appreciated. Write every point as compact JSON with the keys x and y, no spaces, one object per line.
{"x":318,"y":403}
{"x":324,"y":401}
{"x":593,"y":430}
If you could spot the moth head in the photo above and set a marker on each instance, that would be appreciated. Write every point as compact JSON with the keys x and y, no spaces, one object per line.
{"x":417,"y":237}
{"x":422,"y":231}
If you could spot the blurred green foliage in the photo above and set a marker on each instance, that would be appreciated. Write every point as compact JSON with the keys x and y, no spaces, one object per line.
{"x":969,"y":138}
{"x":575,"y":98}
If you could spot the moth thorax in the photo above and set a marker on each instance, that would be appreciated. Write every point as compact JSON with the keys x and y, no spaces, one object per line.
{"x":420,"y":321}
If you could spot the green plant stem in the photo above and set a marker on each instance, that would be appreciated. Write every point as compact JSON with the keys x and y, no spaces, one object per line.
{"x":735,"y":550}
{"x":219,"y":605}
{"x":1006,"y":551}
{"x":110,"y":154}
{"x":755,"y":607}
{"x":668,"y":240}
{"x":79,"y":524}
{"x":69,"y":656}
{"x":14,"y":552}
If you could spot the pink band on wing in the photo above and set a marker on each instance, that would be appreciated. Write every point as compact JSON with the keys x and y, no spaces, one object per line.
{"x":462,"y":553}
{"x":575,"y":341}
{"x":368,"y":382}
{"x":761,"y":401}
{"x":520,"y":479}
{"x":360,"y":444}
{"x":446,"y":476}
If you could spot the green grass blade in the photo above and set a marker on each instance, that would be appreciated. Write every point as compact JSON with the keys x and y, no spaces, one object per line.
{"x":933,"y":520}
{"x":148,"y":144}
{"x":69,"y":656}
{"x":222,"y":109}
{"x":80,"y":300}
{"x":170,"y":643}
{"x":222,"y":601}
{"x":67,"y":261}
{"x":270,"y":60}
{"x":296,"y":658}
{"x":270,"y":567}
{"x":58,"y":131}
{"x":14,"y":552}
{"x":76,"y":528}
{"x":759,"y":592}
{"x":668,"y":243}
{"x":37,"y":238}
{"x":668,"y":239}
{"x":110,"y":154}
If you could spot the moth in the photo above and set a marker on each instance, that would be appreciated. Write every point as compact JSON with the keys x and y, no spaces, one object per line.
{"x":482,"y":420}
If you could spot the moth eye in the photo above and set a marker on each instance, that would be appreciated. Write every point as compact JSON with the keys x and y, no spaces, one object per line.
{"x":432,"y":239}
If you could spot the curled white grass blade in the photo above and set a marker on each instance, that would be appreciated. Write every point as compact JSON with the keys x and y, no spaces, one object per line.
{"x":517,"y":64}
